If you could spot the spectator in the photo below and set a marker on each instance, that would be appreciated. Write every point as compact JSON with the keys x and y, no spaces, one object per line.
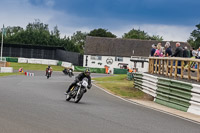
{"x":178,"y":53}
{"x":198,"y":53}
{"x":153,"y":50}
{"x":194,"y":52}
{"x":168,"y":51}
{"x":158,"y":52}
{"x":186,"y":52}
{"x":21,"y":69}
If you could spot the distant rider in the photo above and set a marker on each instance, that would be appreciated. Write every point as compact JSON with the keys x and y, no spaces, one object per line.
{"x":80,"y":77}
{"x":66,"y":70}
{"x":47,"y":69}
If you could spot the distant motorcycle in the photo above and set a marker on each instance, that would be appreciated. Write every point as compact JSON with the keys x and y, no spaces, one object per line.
{"x":77,"y":91}
{"x":48,"y":74}
{"x":68,"y":72}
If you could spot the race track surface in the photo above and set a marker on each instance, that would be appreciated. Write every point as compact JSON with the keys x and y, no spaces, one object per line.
{"x":37,"y":105}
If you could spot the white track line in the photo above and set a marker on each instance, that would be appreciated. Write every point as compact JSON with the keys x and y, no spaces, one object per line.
{"x":133,"y":102}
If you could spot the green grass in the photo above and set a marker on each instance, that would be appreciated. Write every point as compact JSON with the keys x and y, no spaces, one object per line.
{"x":119,"y":86}
{"x":40,"y":67}
{"x":8,"y":74}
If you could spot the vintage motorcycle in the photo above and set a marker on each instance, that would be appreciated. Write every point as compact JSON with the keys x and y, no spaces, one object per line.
{"x":68,"y":72}
{"x":77,"y":91}
{"x":48,"y":74}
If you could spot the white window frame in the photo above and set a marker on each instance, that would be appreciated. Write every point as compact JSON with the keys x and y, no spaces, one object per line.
{"x":119,"y":59}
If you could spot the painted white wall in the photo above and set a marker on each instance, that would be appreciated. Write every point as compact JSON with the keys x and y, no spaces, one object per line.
{"x":6,"y":70}
{"x":101,"y":63}
{"x":66,"y":64}
{"x":22,"y":60}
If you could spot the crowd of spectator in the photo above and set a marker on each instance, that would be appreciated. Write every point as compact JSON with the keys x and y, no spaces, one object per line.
{"x":166,"y":51}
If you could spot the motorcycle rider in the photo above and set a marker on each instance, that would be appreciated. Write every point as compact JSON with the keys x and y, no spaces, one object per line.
{"x":80,"y":77}
{"x":66,"y":70}
{"x":71,"y":71}
{"x":47,"y":69}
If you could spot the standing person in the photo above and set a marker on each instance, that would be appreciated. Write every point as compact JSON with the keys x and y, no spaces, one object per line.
{"x":168,"y":51}
{"x":198,"y":53}
{"x":158,"y":52}
{"x":194,"y":52}
{"x":21,"y":69}
{"x":178,"y":53}
{"x":186,"y":52}
{"x":153,"y":50}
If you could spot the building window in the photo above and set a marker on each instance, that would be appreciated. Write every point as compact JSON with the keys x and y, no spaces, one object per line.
{"x":118,"y":58}
{"x":96,"y":57}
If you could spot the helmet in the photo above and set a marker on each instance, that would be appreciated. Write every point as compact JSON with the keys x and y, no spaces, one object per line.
{"x":87,"y":71}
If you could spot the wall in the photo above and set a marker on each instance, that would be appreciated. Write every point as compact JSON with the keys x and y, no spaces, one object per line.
{"x":88,"y":62}
{"x":106,"y":60}
{"x":42,"y":52}
{"x":176,"y":94}
{"x":6,"y":70}
{"x":74,"y":58}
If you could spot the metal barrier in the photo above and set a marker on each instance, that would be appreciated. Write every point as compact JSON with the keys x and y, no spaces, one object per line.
{"x":172,"y":93}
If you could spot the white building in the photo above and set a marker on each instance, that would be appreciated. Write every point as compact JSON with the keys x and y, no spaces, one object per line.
{"x":118,"y":53}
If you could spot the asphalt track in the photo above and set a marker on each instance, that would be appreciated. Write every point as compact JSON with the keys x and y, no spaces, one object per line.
{"x":37,"y":105}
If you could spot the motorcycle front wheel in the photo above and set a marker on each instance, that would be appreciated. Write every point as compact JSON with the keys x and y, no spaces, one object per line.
{"x":78,"y":97}
{"x":68,"y":97}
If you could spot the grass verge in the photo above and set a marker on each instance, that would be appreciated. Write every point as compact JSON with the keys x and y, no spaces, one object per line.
{"x":118,"y":85}
{"x":40,"y":67}
{"x":8,"y":74}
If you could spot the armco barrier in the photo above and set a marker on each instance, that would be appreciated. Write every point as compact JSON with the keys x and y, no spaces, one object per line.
{"x":22,"y":60}
{"x":172,"y":93}
{"x":44,"y":62}
{"x":66,"y":64}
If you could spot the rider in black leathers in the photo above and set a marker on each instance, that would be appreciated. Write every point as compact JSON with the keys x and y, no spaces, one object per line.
{"x":80,"y":77}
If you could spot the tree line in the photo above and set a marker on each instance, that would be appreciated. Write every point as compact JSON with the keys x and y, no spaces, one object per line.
{"x":38,"y":33}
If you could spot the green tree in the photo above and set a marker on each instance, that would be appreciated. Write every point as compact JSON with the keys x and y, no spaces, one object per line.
{"x":37,"y":33}
{"x":101,"y":33}
{"x":78,"y":39}
{"x":69,"y":45}
{"x":139,"y":34}
{"x":155,"y":37}
{"x":194,"y":38}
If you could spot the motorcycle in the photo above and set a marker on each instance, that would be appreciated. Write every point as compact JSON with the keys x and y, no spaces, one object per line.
{"x":68,"y":72}
{"x":77,"y":91}
{"x":48,"y":74}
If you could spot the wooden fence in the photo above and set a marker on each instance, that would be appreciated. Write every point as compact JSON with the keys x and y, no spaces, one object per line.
{"x":175,"y":67}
